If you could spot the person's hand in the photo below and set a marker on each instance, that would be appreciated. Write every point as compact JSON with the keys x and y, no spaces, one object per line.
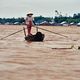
{"x":33,"y":25}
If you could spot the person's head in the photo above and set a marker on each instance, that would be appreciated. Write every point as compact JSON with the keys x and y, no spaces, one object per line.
{"x":30,"y":14}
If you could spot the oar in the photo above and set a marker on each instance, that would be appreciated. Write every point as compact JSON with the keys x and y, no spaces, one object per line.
{"x":50,"y":31}
{"x":11,"y":34}
{"x":36,"y":28}
{"x":56,"y":33}
{"x":24,"y":31}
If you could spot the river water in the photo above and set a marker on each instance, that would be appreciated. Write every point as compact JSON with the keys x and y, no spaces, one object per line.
{"x":57,"y":58}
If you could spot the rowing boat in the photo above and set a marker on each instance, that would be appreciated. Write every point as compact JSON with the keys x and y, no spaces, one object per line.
{"x":37,"y":37}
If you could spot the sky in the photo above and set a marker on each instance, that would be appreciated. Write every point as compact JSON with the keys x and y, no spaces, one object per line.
{"x":19,"y":8}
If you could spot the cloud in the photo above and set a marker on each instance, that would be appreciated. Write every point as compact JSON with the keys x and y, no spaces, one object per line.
{"x":43,"y":7}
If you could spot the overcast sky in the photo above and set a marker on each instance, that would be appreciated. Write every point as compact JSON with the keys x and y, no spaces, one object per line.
{"x":19,"y":8}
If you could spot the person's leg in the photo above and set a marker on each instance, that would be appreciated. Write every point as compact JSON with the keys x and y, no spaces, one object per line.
{"x":30,"y":27}
{"x":29,"y":30}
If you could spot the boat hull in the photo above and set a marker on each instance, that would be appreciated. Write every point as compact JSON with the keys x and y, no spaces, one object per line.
{"x":37,"y":37}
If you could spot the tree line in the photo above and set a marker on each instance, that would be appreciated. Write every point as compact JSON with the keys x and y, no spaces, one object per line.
{"x":39,"y":19}
{"x":75,"y":19}
{"x":11,"y":20}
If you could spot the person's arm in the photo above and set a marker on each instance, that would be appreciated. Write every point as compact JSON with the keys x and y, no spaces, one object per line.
{"x":34,"y":22}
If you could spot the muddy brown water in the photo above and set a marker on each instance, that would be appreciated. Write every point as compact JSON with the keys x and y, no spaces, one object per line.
{"x":21,"y":60}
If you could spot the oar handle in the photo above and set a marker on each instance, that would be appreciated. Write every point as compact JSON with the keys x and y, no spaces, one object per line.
{"x":24,"y":31}
{"x":36,"y":29}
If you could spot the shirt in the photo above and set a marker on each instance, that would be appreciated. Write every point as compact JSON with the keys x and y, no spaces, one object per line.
{"x":29,"y":19}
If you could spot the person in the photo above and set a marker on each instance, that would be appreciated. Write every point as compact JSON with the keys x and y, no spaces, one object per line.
{"x":29,"y":23}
